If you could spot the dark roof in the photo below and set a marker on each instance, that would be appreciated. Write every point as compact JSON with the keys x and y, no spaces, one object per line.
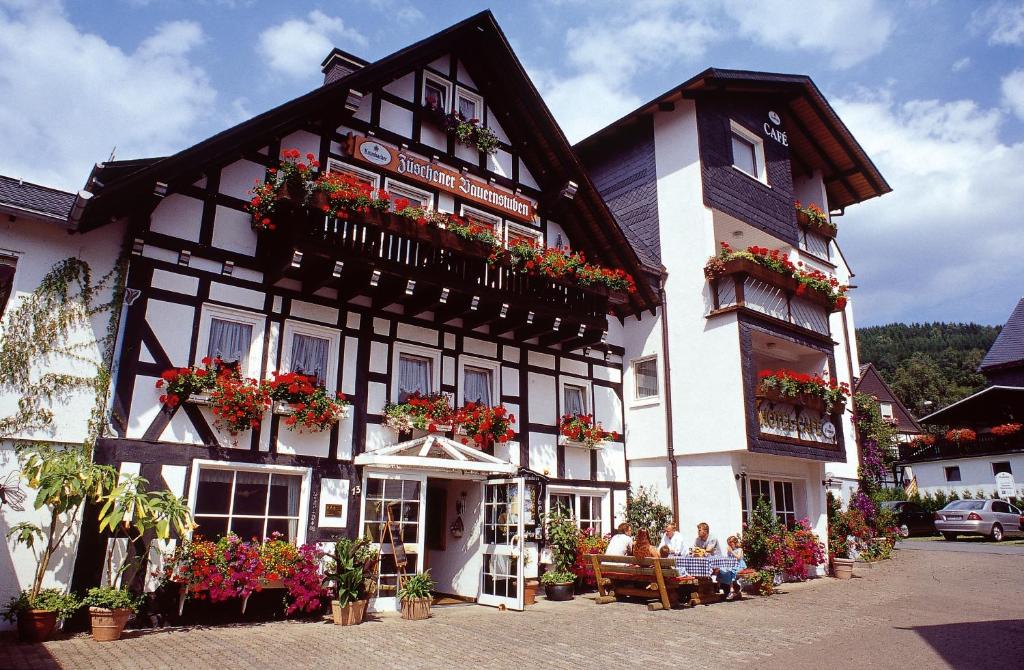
{"x":990,"y":406}
{"x":1008,"y":349}
{"x":500,"y":76}
{"x":871,"y":382}
{"x":816,"y":133}
{"x":19,"y":196}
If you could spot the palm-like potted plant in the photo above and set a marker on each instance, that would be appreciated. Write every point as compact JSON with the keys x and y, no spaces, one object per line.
{"x":64,"y":479}
{"x":129,"y":511}
{"x":415,"y":594}
{"x":350,"y":574}
{"x":563,"y":535}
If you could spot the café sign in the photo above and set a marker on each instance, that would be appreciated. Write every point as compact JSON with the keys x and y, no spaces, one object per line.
{"x":775,"y":133}
{"x":781,"y":420}
{"x":409,"y":166}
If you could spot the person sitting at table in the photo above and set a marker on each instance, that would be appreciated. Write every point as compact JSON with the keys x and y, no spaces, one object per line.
{"x":642,"y":547}
{"x":672,"y":540}
{"x":706,"y":541}
{"x":621,"y":543}
{"x":727,"y":577}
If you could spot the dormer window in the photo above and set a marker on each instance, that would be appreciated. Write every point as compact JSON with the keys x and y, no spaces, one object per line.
{"x":748,"y":153}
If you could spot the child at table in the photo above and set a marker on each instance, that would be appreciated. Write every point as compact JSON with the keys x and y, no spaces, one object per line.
{"x":727,"y":578}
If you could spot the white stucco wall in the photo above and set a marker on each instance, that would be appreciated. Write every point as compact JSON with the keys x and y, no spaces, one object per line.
{"x":975,"y":474}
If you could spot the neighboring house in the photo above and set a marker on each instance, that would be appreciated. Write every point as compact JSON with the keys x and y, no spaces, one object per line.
{"x":892,"y":410}
{"x":723,"y":158}
{"x":995,"y":415}
{"x":33,"y":239}
{"x":378,"y":312}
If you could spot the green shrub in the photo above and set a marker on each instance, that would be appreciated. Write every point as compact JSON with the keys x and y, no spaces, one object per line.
{"x":645,"y":511}
{"x":111,"y":598}
{"x":52,"y":600}
{"x":416,"y":587}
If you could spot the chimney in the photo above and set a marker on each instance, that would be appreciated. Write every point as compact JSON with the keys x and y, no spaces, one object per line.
{"x":340,"y":64}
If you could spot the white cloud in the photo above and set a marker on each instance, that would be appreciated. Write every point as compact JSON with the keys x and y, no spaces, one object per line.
{"x":398,"y":11}
{"x":1013,"y":92}
{"x":1004,"y":22}
{"x":962,"y":64}
{"x":848,"y":31}
{"x":297,"y":46}
{"x":943,"y":244}
{"x":68,"y":97}
{"x":607,"y":52}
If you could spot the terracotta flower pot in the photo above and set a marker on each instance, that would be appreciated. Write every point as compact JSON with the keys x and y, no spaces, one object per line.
{"x":350,"y":615}
{"x":108,"y":624}
{"x":530,"y":591}
{"x":36,"y":625}
{"x":843,"y":567}
{"x":416,"y":609}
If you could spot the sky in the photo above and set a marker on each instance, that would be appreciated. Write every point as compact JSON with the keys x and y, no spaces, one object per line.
{"x":934,"y":91}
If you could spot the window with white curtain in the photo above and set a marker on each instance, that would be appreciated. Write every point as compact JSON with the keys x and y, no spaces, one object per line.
{"x":249,"y":503}
{"x":229,"y":340}
{"x":310,"y":356}
{"x":415,"y":375}
{"x":645,"y":377}
{"x":477,"y":385}
{"x":574,"y":399}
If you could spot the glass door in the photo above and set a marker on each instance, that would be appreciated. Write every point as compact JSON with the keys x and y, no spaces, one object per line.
{"x":501,"y":577}
{"x":405,"y":495}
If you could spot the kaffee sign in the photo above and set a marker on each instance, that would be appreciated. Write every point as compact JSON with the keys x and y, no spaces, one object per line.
{"x":785,"y":421}
{"x":404,"y":164}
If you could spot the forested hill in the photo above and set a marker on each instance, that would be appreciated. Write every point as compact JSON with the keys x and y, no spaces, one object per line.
{"x":927,"y":361}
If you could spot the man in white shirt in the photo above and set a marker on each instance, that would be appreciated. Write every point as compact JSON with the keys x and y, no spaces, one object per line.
{"x":621,"y":543}
{"x":673,"y":540}
{"x":706,"y":541}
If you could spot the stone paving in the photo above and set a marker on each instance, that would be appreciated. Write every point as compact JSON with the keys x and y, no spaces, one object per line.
{"x":807,"y":624}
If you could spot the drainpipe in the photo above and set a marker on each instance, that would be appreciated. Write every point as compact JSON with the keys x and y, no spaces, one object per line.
{"x":669,"y":433}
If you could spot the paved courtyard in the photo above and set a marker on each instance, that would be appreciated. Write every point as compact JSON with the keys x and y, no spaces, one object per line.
{"x":926,"y":609}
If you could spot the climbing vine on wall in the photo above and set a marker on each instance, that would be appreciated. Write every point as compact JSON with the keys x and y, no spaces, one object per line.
{"x":54,"y":324}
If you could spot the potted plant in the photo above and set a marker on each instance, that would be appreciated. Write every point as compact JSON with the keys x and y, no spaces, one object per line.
{"x":563,"y":536}
{"x":415,"y":595}
{"x":129,"y":511}
{"x":64,"y":480}
{"x":350,"y":575}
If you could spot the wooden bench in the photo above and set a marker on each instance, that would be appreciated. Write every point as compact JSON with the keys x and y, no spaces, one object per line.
{"x":655,"y":580}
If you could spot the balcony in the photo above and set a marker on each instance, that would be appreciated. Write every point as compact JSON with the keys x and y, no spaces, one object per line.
{"x":395,"y":261}
{"x":747,"y":285}
{"x":986,"y":444}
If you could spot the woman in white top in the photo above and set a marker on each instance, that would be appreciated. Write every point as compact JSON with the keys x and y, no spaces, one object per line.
{"x":621,"y":543}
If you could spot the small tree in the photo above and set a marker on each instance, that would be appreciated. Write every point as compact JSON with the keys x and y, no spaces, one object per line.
{"x":129,"y":511}
{"x":563,"y":535}
{"x":644,"y":510}
{"x":65,"y":479}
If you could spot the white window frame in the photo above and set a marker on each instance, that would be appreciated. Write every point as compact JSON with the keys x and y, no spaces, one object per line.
{"x":395,"y":190}
{"x":335,"y":165}
{"x":333,"y":337}
{"x":799,"y":496}
{"x":434,"y":355}
{"x":882,"y":406}
{"x":759,"y":160}
{"x":253,"y":363}
{"x":588,"y":394}
{"x":441,"y":83}
{"x":526,"y":231}
{"x":234,"y":466}
{"x":649,"y":400}
{"x":493,"y":366}
{"x":499,"y":228}
{"x":469,"y":95}
{"x":576,"y":492}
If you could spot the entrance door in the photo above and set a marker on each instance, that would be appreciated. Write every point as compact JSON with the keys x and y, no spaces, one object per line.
{"x":501,"y":578}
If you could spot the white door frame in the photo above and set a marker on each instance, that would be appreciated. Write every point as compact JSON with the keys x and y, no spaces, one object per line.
{"x":512,"y":550}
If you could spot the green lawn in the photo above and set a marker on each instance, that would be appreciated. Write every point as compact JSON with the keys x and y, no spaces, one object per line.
{"x":965,"y":539}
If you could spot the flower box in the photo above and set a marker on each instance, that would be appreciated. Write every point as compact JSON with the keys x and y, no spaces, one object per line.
{"x":563,"y":441}
{"x":430,"y":234}
{"x":745,"y":266}
{"x":804,"y":400}
{"x":284,"y":408}
{"x":807,"y":223}
{"x":201,"y":399}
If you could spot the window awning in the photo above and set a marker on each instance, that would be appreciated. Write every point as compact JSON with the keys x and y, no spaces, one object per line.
{"x":436,"y":452}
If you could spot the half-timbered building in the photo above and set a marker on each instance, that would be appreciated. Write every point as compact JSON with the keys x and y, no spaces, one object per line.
{"x":378,"y":308}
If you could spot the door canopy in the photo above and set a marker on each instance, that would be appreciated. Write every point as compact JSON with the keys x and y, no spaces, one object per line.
{"x":436,"y":452}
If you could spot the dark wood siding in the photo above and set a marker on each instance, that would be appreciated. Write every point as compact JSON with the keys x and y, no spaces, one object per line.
{"x":769,"y":208}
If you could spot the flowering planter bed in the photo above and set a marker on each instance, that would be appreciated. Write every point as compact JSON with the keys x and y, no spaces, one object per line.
{"x":745,"y":266}
{"x":264,"y":585}
{"x":563,"y":441}
{"x":810,"y":224}
{"x":810,"y":402}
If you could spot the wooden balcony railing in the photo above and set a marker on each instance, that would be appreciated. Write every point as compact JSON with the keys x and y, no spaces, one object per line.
{"x":986,"y":444}
{"x":747,"y":284}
